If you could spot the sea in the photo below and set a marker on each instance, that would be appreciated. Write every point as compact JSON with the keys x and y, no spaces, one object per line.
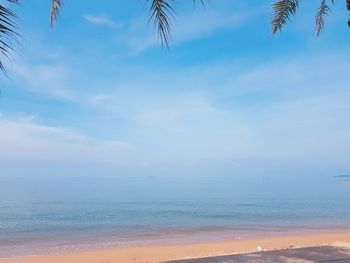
{"x":45,"y":215}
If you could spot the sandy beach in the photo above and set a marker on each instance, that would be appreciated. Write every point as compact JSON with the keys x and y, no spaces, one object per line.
{"x":161,"y":253}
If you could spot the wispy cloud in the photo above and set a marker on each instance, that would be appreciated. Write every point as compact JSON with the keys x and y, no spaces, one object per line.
{"x":47,"y":74}
{"x":271,"y":111}
{"x":188,"y":27}
{"x":247,"y":98}
{"x":101,"y":20}
{"x":25,"y":141}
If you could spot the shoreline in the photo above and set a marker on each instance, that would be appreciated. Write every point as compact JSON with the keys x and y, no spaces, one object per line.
{"x":167,"y":252}
{"x":74,"y":243}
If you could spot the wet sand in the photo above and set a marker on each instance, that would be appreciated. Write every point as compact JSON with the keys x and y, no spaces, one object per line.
{"x":163,"y":253}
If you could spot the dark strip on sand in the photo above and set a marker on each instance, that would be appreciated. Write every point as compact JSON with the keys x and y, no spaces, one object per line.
{"x":301,"y":255}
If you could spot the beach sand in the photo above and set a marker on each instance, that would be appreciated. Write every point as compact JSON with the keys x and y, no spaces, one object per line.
{"x":162,"y":253}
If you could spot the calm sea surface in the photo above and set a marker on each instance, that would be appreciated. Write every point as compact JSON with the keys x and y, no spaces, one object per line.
{"x":44,"y":215}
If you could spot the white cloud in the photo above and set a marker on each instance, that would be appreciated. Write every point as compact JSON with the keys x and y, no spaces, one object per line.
{"x":50,"y":78}
{"x":101,"y":20}
{"x":24,"y":139}
{"x":286,"y":111}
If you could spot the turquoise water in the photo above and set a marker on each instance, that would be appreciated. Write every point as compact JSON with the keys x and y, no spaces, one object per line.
{"x":41,"y":215}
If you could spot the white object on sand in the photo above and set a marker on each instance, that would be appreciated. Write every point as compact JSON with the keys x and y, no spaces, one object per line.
{"x":259,"y":249}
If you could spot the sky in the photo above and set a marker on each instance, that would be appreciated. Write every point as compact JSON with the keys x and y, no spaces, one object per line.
{"x":97,"y":95}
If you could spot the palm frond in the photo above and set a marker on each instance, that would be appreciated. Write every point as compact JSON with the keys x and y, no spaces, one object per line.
{"x":160,"y":13}
{"x":8,"y":31}
{"x":56,"y":6}
{"x":348,"y":7}
{"x":323,"y":10}
{"x":283,"y":10}
{"x":195,"y":2}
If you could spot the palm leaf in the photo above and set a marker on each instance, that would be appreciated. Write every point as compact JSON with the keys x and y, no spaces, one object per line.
{"x":195,"y":2}
{"x":56,"y":6}
{"x":160,"y":13}
{"x":348,"y":7}
{"x":8,"y":31}
{"x":322,"y":11}
{"x":283,"y":10}
{"x":348,"y":4}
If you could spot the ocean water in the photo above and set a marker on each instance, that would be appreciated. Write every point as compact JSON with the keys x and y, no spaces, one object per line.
{"x":49,"y":215}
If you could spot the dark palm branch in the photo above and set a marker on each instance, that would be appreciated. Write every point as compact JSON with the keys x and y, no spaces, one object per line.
{"x":348,"y":7}
{"x":322,"y":11}
{"x":160,"y":12}
{"x":8,"y":30}
{"x":56,"y":6}
{"x":283,"y":10}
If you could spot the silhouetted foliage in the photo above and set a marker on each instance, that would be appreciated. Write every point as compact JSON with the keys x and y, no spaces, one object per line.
{"x":160,"y":15}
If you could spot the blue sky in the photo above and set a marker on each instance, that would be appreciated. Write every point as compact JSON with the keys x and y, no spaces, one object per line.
{"x":99,"y":96}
